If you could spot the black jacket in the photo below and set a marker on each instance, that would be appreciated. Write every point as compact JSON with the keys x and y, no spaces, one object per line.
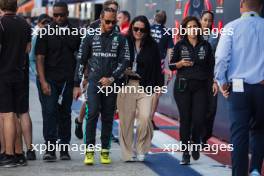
{"x":201,"y":55}
{"x":148,"y":63}
{"x":106,"y":55}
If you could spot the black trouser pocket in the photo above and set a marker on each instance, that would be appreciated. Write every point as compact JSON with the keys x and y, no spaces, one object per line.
{"x":181,"y":84}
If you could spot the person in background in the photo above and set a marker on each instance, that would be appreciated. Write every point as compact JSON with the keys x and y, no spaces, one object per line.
{"x":193,"y":60}
{"x":113,"y":4}
{"x":239,"y":71}
{"x":15,"y":38}
{"x":55,"y":81}
{"x":42,"y":21}
{"x":123,"y":19}
{"x":165,"y":43}
{"x":2,"y":147}
{"x":144,"y":71}
{"x":207,"y":19}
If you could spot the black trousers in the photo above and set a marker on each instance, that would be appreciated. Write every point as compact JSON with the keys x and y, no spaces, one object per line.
{"x":246,"y":114}
{"x":210,"y":115}
{"x":56,"y":118}
{"x":99,"y":102}
{"x":192,"y":104}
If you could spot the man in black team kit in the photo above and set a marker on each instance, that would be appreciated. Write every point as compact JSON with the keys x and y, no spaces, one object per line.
{"x":55,"y":74}
{"x":107,"y":56}
{"x":15,"y":38}
{"x":165,"y":43}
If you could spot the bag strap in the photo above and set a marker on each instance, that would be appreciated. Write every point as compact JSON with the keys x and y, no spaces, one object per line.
{"x":1,"y":25}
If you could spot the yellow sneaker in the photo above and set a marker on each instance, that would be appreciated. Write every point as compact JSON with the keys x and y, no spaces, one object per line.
{"x":104,"y":157}
{"x":89,"y":158}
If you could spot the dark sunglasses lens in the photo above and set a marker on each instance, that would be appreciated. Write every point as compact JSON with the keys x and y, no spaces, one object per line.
{"x":142,"y":30}
{"x":109,"y":21}
{"x":59,"y":14}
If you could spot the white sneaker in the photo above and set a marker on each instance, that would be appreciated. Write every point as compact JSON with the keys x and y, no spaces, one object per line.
{"x":141,"y":157}
{"x":254,"y":173}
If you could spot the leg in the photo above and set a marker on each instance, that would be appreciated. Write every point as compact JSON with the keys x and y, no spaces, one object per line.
{"x":49,"y":106}
{"x":210,"y":116}
{"x":82,"y":113}
{"x":94,"y":103}
{"x":79,"y":122}
{"x":199,"y":108}
{"x":155,"y":103}
{"x":9,"y":132}
{"x":64,"y":124}
{"x":19,"y":141}
{"x":145,"y":128}
{"x":26,"y":125}
{"x":2,"y":141}
{"x":183,"y":100}
{"x":239,"y":114}
{"x":126,"y":105}
{"x":7,"y":109}
{"x":257,"y":129}
{"x":107,"y":117}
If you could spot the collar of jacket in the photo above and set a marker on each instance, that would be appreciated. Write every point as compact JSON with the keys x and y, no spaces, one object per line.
{"x":200,"y":41}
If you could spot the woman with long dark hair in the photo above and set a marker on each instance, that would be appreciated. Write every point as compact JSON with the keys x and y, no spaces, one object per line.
{"x":192,"y":58}
{"x":143,"y":75}
{"x":210,"y":35}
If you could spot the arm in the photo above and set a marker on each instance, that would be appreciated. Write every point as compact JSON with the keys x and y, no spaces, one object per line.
{"x":32,"y":56}
{"x":123,"y":59}
{"x":82,"y":59}
{"x":175,"y":62}
{"x":41,"y":50}
{"x":157,"y":71}
{"x":222,"y":58}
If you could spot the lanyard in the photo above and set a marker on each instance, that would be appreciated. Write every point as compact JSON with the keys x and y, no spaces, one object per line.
{"x":134,"y":67}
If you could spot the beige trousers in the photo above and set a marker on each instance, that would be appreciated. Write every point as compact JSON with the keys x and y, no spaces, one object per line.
{"x":131,"y":106}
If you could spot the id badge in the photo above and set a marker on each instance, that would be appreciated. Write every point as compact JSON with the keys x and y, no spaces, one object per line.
{"x":238,"y":85}
{"x":134,"y":68}
{"x":60,"y":100}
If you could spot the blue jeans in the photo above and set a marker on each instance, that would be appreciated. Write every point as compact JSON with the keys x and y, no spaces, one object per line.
{"x":56,"y":117}
{"x":246,"y":113}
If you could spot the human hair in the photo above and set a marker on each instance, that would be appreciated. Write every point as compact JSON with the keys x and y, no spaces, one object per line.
{"x":126,"y":13}
{"x":61,"y":4}
{"x":107,"y":10}
{"x":252,"y":4}
{"x":110,"y":2}
{"x":147,"y":39}
{"x":186,"y":20}
{"x":161,"y":17}
{"x":8,"y":5}
{"x":208,"y":12}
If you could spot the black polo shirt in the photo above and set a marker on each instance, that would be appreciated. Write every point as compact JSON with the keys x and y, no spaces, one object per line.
{"x":59,"y":51}
{"x":15,"y":34}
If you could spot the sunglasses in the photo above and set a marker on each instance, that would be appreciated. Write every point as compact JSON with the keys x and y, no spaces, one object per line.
{"x":59,"y":15}
{"x":142,"y":30}
{"x":110,"y":21}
